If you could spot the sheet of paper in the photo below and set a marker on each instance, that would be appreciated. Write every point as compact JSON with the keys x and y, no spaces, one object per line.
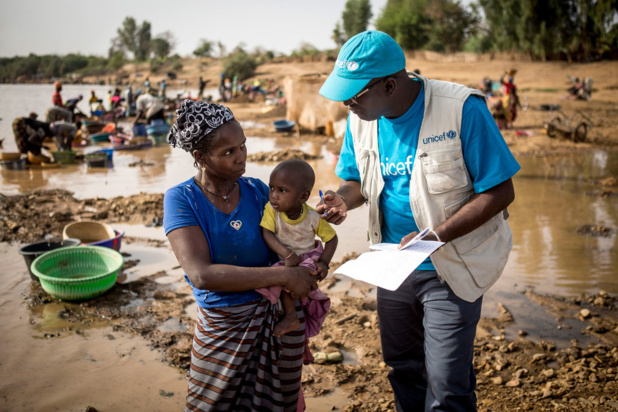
{"x":387,"y":266}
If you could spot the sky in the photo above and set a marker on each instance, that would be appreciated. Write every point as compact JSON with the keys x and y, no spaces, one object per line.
{"x":87,"y":26}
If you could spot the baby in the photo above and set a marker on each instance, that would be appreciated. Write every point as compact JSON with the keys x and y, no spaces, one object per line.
{"x":289,"y":228}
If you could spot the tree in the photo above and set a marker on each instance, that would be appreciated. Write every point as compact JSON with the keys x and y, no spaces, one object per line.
{"x":134,"y":38}
{"x":577,"y":29}
{"x":439,"y":25}
{"x":338,"y":35}
{"x":204,"y":49}
{"x":356,"y":16}
{"x":163,"y":45}
{"x":240,"y":64}
{"x":448,"y":25}
{"x":222,"y":49}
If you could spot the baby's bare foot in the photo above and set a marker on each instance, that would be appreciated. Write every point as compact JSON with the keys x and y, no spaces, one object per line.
{"x":285,"y":325}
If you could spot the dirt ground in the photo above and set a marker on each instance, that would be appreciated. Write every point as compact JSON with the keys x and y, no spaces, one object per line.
{"x":515,"y":374}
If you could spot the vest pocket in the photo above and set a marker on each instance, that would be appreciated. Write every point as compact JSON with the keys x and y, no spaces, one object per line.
{"x":485,"y":251}
{"x":444,"y":170}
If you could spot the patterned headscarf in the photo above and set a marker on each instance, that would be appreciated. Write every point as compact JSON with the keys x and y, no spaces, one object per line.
{"x":194,"y":120}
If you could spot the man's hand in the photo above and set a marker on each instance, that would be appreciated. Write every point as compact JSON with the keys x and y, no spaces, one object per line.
{"x":334,"y":210}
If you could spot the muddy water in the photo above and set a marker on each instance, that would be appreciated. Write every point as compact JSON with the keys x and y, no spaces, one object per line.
{"x":554,"y":197}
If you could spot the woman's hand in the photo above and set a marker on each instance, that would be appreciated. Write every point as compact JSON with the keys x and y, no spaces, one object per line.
{"x":334,"y":209}
{"x":301,"y":281}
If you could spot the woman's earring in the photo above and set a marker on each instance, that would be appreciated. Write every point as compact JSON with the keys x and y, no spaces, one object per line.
{"x":203,"y":176}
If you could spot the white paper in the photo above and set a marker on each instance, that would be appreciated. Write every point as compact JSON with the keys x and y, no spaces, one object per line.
{"x":387,"y":266}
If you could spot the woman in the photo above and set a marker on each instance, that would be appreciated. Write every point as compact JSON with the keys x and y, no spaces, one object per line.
{"x":213,"y":224}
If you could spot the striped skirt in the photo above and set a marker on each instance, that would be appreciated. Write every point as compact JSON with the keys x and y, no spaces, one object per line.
{"x":237,"y":365}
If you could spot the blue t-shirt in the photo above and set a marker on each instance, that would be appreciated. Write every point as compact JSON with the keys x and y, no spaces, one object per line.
{"x":233,"y":239}
{"x":488,"y":159}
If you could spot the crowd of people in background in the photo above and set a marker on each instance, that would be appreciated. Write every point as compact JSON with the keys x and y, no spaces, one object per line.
{"x":148,"y":102}
{"x":61,"y":126}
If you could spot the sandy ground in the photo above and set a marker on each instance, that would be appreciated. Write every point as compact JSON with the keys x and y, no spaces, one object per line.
{"x":515,"y":374}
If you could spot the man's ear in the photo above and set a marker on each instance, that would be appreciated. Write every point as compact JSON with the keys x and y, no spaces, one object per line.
{"x":390,"y":86}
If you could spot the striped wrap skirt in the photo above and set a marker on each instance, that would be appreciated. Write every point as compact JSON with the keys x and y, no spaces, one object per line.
{"x":236,"y":363}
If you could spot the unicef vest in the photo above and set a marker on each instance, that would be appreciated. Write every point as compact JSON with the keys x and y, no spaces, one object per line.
{"x":439,"y":186}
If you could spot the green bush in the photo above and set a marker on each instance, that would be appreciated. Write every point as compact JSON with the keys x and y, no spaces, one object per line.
{"x":240,"y":64}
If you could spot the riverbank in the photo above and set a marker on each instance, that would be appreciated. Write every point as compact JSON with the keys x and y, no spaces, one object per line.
{"x":571,"y":365}
{"x":129,"y":349}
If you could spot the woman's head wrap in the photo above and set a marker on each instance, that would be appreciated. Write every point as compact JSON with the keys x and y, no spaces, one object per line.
{"x":194,"y":120}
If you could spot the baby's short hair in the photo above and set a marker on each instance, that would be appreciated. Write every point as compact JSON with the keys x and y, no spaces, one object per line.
{"x":301,"y":171}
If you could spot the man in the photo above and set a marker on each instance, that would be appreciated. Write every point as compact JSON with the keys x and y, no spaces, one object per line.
{"x":149,"y":107}
{"x":423,"y":154}
{"x":201,"y":86}
{"x":57,"y":97}
{"x":64,"y":133}
{"x":71,"y":105}
{"x":30,"y":134}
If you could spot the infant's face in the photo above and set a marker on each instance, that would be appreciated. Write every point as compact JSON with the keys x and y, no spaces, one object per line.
{"x":283,"y":195}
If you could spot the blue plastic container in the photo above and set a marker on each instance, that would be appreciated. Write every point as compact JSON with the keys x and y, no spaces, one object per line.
{"x":113,"y":243}
{"x":284,"y":125}
{"x":108,"y":152}
{"x":139,"y":130}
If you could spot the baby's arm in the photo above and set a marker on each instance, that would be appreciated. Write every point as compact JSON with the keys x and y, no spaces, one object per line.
{"x":289,"y":257}
{"x":327,"y":255}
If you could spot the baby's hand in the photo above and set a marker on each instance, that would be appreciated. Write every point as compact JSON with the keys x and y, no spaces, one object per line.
{"x":322,"y":269}
{"x":293,"y":260}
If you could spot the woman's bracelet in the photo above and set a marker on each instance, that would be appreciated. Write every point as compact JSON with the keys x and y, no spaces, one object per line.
{"x":435,"y":234}
{"x":289,"y":256}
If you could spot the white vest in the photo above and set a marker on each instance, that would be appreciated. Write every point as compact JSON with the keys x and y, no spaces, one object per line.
{"x":439,"y":186}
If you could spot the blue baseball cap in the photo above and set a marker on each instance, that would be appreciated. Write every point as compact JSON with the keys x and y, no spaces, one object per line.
{"x":366,"y":56}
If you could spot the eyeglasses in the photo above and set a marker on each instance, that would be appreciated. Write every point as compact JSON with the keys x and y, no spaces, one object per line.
{"x":354,"y":99}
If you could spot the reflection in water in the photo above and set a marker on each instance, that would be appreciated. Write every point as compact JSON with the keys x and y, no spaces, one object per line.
{"x":554,"y":197}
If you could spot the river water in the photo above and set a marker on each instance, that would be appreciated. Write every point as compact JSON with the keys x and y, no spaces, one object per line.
{"x":555,"y":196}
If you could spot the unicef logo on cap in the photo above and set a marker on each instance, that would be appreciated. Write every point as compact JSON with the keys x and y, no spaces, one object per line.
{"x":352,"y":66}
{"x":451,"y":134}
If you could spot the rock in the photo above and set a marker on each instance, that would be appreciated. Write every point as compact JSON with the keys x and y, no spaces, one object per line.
{"x":497,"y":380}
{"x":537,"y":357}
{"x":522,"y":333}
{"x":513,"y":383}
{"x":521,"y":373}
{"x":584,"y":313}
{"x":548,"y":373}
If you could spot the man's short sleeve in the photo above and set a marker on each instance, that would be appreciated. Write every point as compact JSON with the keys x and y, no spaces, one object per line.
{"x":346,"y":165}
{"x":488,"y":158}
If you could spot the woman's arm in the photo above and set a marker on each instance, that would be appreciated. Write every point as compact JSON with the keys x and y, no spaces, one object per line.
{"x":193,"y":254}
